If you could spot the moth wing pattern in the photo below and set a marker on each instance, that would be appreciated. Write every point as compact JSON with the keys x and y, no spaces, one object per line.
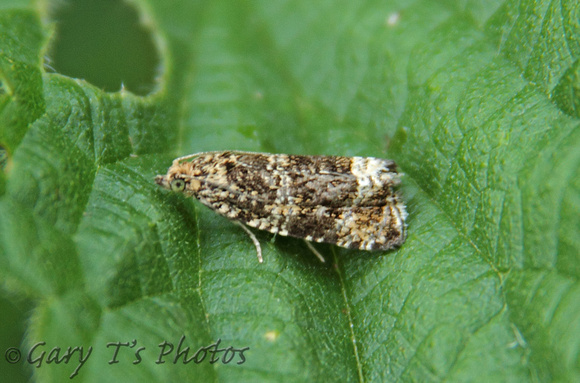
{"x":347,"y":201}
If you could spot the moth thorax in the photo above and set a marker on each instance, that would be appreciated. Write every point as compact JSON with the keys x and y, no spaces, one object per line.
{"x":194,"y":185}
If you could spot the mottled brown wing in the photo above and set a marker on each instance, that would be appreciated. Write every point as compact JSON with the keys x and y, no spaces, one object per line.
{"x":299,"y":180}
{"x":315,"y":198}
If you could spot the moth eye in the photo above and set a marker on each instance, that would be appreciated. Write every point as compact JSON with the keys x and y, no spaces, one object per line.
{"x":177,"y":185}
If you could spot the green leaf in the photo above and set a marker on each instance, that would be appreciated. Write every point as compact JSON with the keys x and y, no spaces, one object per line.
{"x":476,"y":101}
{"x":21,"y":98}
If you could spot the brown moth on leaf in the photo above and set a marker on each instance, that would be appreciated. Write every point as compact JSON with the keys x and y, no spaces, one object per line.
{"x":346,"y":201}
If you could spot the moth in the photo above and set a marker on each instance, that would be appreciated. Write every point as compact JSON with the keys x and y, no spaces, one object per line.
{"x":350,"y":202}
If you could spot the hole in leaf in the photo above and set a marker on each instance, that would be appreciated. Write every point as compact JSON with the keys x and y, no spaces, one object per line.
{"x":104,"y":42}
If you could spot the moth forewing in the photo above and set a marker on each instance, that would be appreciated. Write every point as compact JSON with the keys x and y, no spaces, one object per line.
{"x":346,"y":201}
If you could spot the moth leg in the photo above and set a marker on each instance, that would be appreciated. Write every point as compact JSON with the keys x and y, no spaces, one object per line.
{"x":315,"y":251}
{"x":254,"y":239}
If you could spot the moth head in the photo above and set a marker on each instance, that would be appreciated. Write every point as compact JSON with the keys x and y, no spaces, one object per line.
{"x":178,"y":183}
{"x":162,"y":181}
{"x":171,"y":181}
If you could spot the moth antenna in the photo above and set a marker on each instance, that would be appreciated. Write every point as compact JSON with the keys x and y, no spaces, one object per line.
{"x":178,"y":160}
